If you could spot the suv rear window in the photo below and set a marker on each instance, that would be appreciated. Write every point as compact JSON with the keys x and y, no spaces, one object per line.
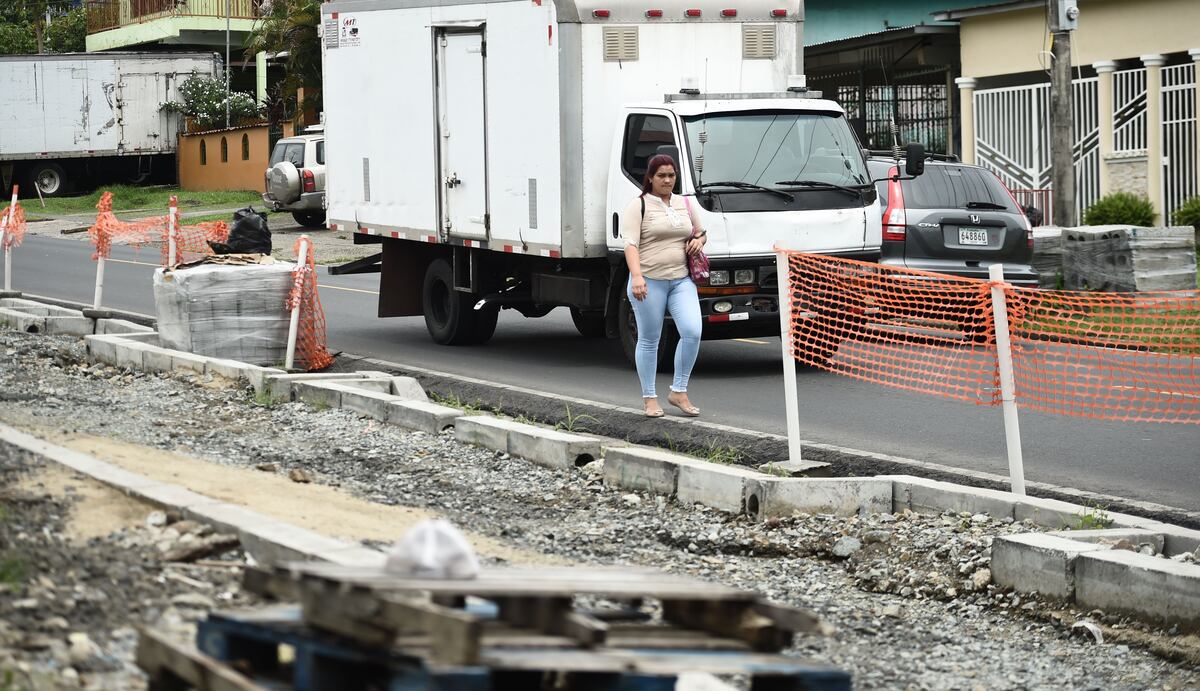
{"x":321,"y":152}
{"x":952,"y":187}
{"x":293,"y":152}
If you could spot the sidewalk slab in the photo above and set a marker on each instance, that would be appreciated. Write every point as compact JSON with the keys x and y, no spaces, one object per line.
{"x":408,"y":388}
{"x":372,"y":403}
{"x":1037,"y":562}
{"x":423,"y":416}
{"x":1121,"y":581}
{"x":1111,"y":536}
{"x":716,"y":486}
{"x":21,"y":321}
{"x":157,"y":360}
{"x":76,"y":325}
{"x":783,"y":497}
{"x":317,"y":394}
{"x":934,"y":496}
{"x":279,"y":386}
{"x":187,"y":362}
{"x":131,"y":354}
{"x":232,"y":370}
{"x":377,"y":385}
{"x":102,"y":348}
{"x":1177,"y":538}
{"x":147,"y":337}
{"x":645,"y":468}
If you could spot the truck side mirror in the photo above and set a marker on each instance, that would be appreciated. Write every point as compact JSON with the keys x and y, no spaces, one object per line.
{"x":914,"y":160}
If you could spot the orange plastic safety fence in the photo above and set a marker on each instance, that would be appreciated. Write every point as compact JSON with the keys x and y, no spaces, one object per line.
{"x":311,"y":351}
{"x":1133,"y":357}
{"x":13,"y":220}
{"x":190,"y":241}
{"x":1117,"y":356}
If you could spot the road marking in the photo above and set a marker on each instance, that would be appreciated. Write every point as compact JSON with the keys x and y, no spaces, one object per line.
{"x":352,"y":290}
{"x":751,"y":340}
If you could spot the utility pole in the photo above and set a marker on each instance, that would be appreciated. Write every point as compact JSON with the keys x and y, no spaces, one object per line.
{"x":227,"y":14}
{"x":1064,"y":15}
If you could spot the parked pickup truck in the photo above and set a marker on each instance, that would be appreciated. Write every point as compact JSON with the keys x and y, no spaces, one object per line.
{"x":494,"y":168}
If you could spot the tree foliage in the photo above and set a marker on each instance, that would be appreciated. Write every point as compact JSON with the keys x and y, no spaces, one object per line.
{"x":23,"y":26}
{"x":290,"y":26}
{"x":204,"y":102}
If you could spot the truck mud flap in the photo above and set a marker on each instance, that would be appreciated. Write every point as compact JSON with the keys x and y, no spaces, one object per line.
{"x":367,"y":265}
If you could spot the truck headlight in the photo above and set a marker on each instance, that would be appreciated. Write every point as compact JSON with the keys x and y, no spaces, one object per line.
{"x":718,"y":278}
{"x":743,"y":277}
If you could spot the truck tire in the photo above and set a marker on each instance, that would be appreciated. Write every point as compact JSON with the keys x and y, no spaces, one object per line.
{"x":485,"y":324}
{"x":667,"y":341}
{"x":310,"y":219}
{"x":449,"y":316}
{"x":50,"y":177}
{"x":589,"y":324}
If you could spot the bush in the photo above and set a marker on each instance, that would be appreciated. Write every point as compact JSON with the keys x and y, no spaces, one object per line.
{"x":1188,"y":214}
{"x":204,"y":102}
{"x":1121,"y":208}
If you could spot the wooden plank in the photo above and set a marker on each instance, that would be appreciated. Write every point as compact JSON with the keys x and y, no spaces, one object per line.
{"x":167,"y":664}
{"x":589,"y":631}
{"x":794,"y":619}
{"x":733,"y":619}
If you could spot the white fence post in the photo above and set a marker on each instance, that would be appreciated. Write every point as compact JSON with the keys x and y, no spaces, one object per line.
{"x":1012,"y":426}
{"x":171,"y":233}
{"x":99,"y":283}
{"x":791,"y":404}
{"x":297,"y":288}
{"x":12,"y":207}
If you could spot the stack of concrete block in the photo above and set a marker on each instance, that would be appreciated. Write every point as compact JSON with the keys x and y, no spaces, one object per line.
{"x":1128,"y":258}
{"x":1047,"y":255}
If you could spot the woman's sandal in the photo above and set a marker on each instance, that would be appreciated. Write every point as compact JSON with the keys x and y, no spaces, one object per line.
{"x":657,"y":412}
{"x":689,"y":410}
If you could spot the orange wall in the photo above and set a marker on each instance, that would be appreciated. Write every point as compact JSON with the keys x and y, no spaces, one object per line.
{"x":234,"y":174}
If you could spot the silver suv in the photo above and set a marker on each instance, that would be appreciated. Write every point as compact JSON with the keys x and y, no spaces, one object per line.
{"x":296,"y":179}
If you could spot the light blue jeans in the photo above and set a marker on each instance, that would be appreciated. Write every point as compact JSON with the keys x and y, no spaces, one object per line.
{"x":680,"y":297}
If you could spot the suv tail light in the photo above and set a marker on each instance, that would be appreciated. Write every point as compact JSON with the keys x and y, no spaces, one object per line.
{"x":310,"y":180}
{"x":1020,"y":210}
{"x":895,"y":218}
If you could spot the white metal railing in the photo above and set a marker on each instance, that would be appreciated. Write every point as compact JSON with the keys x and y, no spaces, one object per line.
{"x":1179,"y":178}
{"x":1129,"y":110}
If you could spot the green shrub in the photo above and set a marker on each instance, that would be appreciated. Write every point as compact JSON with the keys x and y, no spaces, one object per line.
{"x":1121,"y":208}
{"x":1188,"y":214}
{"x":204,"y":102}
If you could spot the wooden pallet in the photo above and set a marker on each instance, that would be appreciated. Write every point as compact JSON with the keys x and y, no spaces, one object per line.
{"x":251,"y":641}
{"x":534,"y":608}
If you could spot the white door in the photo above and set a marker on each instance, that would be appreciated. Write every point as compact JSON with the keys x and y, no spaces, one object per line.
{"x":461,"y":130}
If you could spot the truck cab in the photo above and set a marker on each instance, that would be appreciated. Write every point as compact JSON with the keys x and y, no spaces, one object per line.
{"x":761,"y":169}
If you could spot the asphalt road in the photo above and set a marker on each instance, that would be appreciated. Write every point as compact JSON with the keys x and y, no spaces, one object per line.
{"x":735,"y":382}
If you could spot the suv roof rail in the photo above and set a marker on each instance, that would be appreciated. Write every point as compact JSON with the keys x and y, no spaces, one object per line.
{"x":929,"y":156}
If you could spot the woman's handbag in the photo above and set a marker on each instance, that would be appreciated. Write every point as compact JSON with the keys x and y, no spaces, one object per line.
{"x":697,"y":263}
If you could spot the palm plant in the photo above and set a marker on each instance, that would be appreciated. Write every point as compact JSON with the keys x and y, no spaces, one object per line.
{"x":289,"y":27}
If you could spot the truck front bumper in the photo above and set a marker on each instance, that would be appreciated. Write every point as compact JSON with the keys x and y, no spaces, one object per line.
{"x":739,"y":316}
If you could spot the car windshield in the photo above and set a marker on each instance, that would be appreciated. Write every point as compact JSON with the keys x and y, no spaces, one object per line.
{"x":773,"y":148}
{"x":293,"y":152}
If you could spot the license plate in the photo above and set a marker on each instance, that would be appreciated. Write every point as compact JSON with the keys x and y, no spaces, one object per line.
{"x":973,"y":236}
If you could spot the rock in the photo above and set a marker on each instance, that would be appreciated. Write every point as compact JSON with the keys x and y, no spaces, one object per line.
{"x":194,"y":600}
{"x":56,"y":623}
{"x":27,"y":603}
{"x":877,"y":537}
{"x":300,"y":475}
{"x":70,"y":676}
{"x":205,"y":547}
{"x":267,"y":467}
{"x":631,"y":499}
{"x":981,"y":578}
{"x":1125,"y":545}
{"x":82,"y":648}
{"x":190,"y":527}
{"x":845,"y":546}
{"x":980,"y":518}
{"x":891,"y":611}
{"x":156,"y":519}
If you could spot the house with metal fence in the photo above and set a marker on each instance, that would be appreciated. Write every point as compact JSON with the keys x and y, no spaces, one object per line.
{"x":1134,"y":94}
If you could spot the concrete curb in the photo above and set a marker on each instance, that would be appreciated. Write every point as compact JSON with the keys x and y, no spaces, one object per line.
{"x":267,"y":539}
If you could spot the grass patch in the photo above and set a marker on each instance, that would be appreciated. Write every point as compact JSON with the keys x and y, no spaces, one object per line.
{"x":1094,"y":517}
{"x":127,"y":197}
{"x":12,"y":571}
{"x":454,"y":401}
{"x":573,"y":423}
{"x":265,"y":399}
{"x":725,"y":455}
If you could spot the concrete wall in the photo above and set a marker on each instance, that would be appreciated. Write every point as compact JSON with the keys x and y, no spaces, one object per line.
{"x":1127,"y":172}
{"x":243,"y":169}
{"x":1012,"y":42}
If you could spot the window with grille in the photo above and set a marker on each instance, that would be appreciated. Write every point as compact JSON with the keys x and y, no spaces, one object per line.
{"x":758,"y":41}
{"x":620,"y":43}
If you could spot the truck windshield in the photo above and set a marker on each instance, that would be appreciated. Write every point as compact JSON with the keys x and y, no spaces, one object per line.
{"x":776,"y":149}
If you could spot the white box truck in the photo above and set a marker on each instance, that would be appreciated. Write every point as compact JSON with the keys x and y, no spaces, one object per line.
{"x":491,"y":146}
{"x":66,"y":117}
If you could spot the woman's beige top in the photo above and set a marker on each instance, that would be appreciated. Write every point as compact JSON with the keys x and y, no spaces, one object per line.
{"x":660,"y":236}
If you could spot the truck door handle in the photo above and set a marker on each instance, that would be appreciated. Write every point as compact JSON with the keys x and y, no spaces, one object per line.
{"x":453,"y":181}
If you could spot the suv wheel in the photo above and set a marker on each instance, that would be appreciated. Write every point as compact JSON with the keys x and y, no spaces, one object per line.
{"x":310,"y":219}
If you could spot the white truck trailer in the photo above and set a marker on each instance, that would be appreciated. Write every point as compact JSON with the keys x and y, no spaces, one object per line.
{"x":491,"y":146}
{"x":65,"y":117}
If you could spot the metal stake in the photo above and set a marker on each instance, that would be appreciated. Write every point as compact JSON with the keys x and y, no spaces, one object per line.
{"x":1012,"y":426}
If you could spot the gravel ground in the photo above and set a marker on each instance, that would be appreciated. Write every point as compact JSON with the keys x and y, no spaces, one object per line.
{"x":910,"y":595}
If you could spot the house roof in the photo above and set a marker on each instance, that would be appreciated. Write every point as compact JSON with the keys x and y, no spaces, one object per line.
{"x":992,"y":8}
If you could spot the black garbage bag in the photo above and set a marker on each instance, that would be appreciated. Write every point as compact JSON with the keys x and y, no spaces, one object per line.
{"x":1034,"y":215}
{"x":247,"y":235}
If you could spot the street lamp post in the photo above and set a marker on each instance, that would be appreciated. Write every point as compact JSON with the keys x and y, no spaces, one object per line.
{"x":227,"y":15}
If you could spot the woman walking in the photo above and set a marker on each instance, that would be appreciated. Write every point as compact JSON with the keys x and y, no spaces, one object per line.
{"x":660,"y":230}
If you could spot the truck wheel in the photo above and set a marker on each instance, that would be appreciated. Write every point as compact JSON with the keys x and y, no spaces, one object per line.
{"x":627,"y":324}
{"x":448,"y":313}
{"x":589,"y":324}
{"x":485,"y":324}
{"x":310,"y":219}
{"x":50,"y":177}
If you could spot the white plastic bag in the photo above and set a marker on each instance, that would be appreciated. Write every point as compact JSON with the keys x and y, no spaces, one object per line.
{"x":433,"y":549}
